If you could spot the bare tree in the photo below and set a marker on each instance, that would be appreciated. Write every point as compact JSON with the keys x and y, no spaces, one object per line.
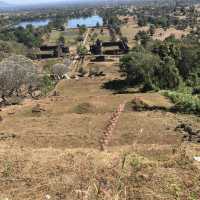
{"x":17,"y":73}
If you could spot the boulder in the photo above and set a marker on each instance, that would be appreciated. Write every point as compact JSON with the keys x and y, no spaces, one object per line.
{"x":14,"y":100}
{"x":66,"y":76}
{"x":37,"y":94}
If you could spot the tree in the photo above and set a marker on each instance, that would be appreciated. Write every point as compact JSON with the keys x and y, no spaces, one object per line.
{"x":143,"y":37}
{"x":142,"y":21}
{"x":138,"y":65}
{"x":28,"y":37}
{"x":163,"y":21}
{"x":61,"y":40}
{"x":189,"y":63}
{"x":146,"y":68}
{"x":82,"y":29}
{"x":97,"y":25}
{"x":17,"y":73}
{"x":82,"y":51}
{"x":152,"y":30}
{"x":166,"y":75}
{"x":169,"y":47}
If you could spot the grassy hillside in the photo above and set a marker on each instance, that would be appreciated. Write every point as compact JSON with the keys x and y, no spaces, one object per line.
{"x":56,"y":154}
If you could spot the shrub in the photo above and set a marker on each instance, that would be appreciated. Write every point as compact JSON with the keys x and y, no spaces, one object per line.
{"x":17,"y":73}
{"x":196,"y":90}
{"x":186,"y":103}
{"x":48,"y":65}
{"x":6,"y":49}
{"x":95,"y":71}
{"x":47,"y":84}
{"x":84,"y":108}
{"x":82,"y":50}
{"x":58,"y":70}
{"x":82,"y":72}
{"x":138,"y":105}
{"x":8,"y":168}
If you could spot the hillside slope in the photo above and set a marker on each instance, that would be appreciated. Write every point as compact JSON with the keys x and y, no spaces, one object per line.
{"x":55,"y":154}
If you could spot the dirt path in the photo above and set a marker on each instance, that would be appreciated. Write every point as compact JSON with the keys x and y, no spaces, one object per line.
{"x":86,"y":36}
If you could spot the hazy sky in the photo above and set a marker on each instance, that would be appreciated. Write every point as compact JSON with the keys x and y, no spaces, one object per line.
{"x":31,"y":1}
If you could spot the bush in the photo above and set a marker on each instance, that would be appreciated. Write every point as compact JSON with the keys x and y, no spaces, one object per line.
{"x":196,"y":90}
{"x":59,"y":70}
{"x":6,"y":49}
{"x":82,"y":50}
{"x":47,"y":84}
{"x":138,"y":104}
{"x":17,"y":73}
{"x":80,"y":38}
{"x":186,"y":103}
{"x":84,"y":108}
{"x":82,"y":72}
{"x":48,"y":65}
{"x":95,"y":71}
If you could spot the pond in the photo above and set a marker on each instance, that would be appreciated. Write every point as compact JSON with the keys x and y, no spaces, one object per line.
{"x":88,"y":21}
{"x":34,"y":23}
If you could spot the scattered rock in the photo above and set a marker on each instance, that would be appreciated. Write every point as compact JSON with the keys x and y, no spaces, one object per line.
{"x":189,"y":133}
{"x":37,"y":109}
{"x":72,"y":76}
{"x":48,"y":197}
{"x":37,"y":94}
{"x":11,"y":112}
{"x":4,"y":136}
{"x":14,"y":100}
{"x":197,"y":158}
{"x":66,"y":76}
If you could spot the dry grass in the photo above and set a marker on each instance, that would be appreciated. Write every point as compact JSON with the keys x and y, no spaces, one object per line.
{"x":88,"y":174}
{"x":130,"y":30}
{"x":56,"y":153}
{"x":162,"y":34}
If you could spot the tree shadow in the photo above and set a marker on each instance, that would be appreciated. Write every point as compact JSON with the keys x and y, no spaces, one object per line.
{"x":119,"y":86}
{"x":115,"y":85}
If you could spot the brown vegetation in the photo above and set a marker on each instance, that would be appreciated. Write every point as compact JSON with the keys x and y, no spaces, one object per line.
{"x":56,"y":154}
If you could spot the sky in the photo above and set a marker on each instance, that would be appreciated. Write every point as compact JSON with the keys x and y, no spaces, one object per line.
{"x":32,"y":1}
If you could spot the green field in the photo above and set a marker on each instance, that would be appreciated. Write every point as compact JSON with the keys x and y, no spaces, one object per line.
{"x":70,"y":35}
{"x":97,"y":34}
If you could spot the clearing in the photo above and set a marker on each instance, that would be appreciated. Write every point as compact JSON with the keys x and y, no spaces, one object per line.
{"x":131,"y":28}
